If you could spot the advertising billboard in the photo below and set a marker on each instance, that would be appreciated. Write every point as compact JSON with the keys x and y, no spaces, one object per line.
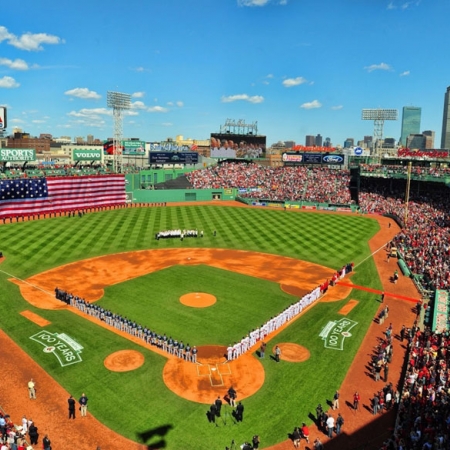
{"x":173,"y":158}
{"x":3,"y":122}
{"x":17,"y":154}
{"x":133,"y":147}
{"x":227,"y":145}
{"x":79,"y":154}
{"x":312,"y":158}
{"x":169,"y":146}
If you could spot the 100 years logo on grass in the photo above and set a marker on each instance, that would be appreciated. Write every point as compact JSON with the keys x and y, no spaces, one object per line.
{"x":61,"y":345}
{"x":335,"y":332}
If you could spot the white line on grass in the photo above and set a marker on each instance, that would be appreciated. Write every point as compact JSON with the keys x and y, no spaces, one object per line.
{"x":370,"y":256}
{"x":26,"y":282}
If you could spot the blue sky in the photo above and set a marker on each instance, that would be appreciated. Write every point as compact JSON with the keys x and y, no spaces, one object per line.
{"x":296,"y":67}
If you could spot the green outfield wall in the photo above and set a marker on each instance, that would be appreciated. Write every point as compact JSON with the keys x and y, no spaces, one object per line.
{"x":148,"y":178}
{"x":179,"y":195}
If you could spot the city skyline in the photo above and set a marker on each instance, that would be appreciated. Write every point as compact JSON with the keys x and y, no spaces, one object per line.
{"x":277,"y":62}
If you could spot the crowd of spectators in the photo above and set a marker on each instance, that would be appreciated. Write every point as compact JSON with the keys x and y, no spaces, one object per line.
{"x":12,"y":436}
{"x":424,"y":241}
{"x":423,"y":420}
{"x":296,"y":183}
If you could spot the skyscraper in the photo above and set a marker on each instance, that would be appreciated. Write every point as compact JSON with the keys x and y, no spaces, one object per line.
{"x":310,"y":141}
{"x":410,"y":122}
{"x":445,"y":137}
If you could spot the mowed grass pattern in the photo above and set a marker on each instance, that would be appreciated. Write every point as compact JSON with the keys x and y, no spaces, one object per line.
{"x":137,"y":401}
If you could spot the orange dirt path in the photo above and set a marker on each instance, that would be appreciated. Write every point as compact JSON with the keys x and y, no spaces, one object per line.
{"x":348,"y":307}
{"x":36,"y":318}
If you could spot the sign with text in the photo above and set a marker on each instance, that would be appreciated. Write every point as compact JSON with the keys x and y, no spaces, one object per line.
{"x":173,"y":158}
{"x":66,"y":350}
{"x":86,"y":155}
{"x":17,"y":154}
{"x":133,"y":147}
{"x":335,"y":333}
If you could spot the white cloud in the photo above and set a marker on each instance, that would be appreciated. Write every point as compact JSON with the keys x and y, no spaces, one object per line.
{"x":381,"y":66}
{"x":261,"y":2}
{"x":245,"y":97}
{"x":138,"y":94}
{"x":405,"y":73}
{"x":391,"y":6}
{"x":180,"y":104}
{"x":337,"y":107}
{"x":38,"y":121}
{"x":311,"y":105}
{"x":8,"y":83}
{"x":290,"y":82}
{"x":17,"y":64}
{"x":29,"y":41}
{"x":91,"y":112}
{"x":157,"y":109}
{"x":138,"y":105}
{"x":167,"y":124}
{"x":83,"y":93}
{"x":252,"y":2}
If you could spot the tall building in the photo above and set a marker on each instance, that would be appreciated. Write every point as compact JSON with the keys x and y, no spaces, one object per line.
{"x":310,"y":141}
{"x":319,"y":140}
{"x":429,"y":139}
{"x":410,"y":122}
{"x":445,"y":137}
{"x":349,"y":142}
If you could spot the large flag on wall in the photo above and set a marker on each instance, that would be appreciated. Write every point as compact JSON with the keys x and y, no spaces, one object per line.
{"x":26,"y":196}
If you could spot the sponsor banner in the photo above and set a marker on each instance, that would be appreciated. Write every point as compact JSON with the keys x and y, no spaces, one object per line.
{"x":17,"y":154}
{"x":66,"y":350}
{"x":313,"y":158}
{"x":128,"y":197}
{"x":86,"y":155}
{"x":168,"y":146}
{"x":133,"y":147}
{"x":3,"y":123}
{"x":358,"y":151}
{"x":228,"y":191}
{"x":275,"y":205}
{"x":333,"y":159}
{"x":293,"y":158}
{"x":259,"y":203}
{"x":335,"y":332}
{"x":173,"y":158}
{"x":309,"y":207}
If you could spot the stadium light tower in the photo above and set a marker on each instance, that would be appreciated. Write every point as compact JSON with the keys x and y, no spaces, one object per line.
{"x":119,"y":103}
{"x":379,"y":116}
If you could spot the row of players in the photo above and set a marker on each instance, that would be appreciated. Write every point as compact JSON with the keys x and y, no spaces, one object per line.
{"x":167,"y":344}
{"x":247,"y":342}
{"x":178,"y":234}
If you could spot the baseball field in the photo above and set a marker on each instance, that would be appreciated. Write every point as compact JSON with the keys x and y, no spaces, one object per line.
{"x":252,"y":266}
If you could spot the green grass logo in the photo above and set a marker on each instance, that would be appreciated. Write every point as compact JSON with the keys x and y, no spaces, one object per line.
{"x":66,"y":350}
{"x":335,"y":332}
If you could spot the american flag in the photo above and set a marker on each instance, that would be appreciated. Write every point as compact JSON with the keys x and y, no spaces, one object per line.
{"x":26,"y":196}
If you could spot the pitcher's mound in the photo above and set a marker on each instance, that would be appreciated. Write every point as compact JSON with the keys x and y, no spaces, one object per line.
{"x":198,"y":300}
{"x":124,"y":361}
{"x":293,"y":352}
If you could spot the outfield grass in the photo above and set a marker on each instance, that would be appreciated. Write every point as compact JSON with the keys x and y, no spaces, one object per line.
{"x":291,"y":390}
